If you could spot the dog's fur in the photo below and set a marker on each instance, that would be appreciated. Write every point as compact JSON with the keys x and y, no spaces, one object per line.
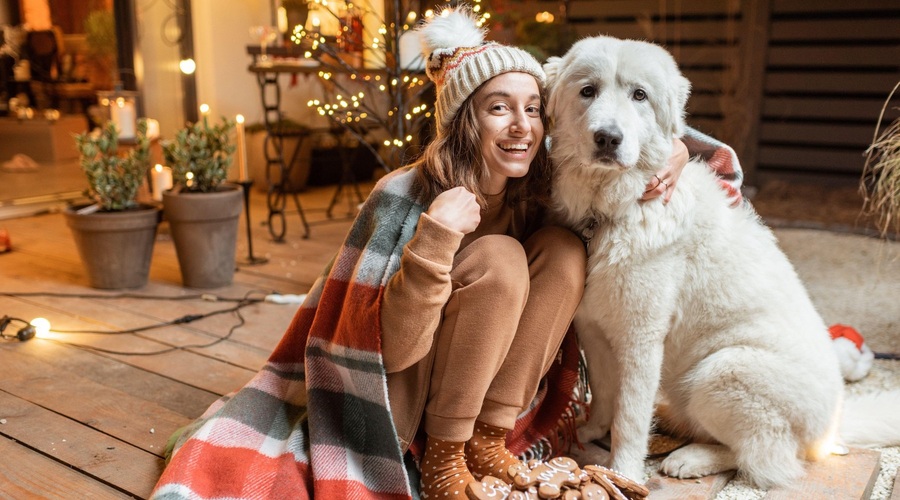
{"x":693,"y":297}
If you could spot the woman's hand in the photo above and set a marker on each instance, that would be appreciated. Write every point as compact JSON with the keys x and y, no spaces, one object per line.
{"x":663,"y":183}
{"x":457,"y":209}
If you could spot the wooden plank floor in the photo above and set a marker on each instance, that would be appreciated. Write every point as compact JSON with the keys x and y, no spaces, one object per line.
{"x":78,"y":423}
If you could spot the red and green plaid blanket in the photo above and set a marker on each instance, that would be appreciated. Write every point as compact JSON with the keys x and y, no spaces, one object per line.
{"x":315,"y":420}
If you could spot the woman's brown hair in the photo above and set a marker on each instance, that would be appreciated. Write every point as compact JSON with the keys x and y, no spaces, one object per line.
{"x":454,"y":159}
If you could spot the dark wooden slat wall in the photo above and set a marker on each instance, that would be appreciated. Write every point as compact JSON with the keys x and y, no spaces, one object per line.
{"x":794,"y":85}
{"x":821,"y":55}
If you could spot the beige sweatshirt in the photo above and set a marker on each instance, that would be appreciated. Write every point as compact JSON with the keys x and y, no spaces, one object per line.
{"x":416,"y":294}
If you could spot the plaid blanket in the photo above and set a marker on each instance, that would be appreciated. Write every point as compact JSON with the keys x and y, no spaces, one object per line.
{"x":721,"y":159}
{"x":315,"y":420}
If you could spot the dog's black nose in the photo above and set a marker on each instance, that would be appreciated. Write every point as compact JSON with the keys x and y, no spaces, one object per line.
{"x":608,"y":139}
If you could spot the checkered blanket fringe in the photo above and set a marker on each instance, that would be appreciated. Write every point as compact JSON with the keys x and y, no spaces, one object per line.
{"x":315,"y":421}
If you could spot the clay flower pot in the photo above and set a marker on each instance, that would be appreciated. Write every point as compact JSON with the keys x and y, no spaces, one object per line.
{"x":115,"y":247}
{"x":204,"y":229}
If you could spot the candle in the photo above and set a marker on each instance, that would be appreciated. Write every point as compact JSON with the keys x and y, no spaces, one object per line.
{"x":313,"y":23}
{"x":204,"y":110}
{"x":161,"y":177}
{"x":241,"y":148}
{"x":282,"y":20}
{"x":123,"y":114}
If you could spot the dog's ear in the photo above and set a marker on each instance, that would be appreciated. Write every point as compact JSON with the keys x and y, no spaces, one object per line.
{"x":678,"y":91}
{"x":551,"y":68}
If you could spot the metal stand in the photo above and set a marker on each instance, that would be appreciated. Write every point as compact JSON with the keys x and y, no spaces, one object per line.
{"x":348,"y":178}
{"x":250,"y":260}
{"x":274,"y":151}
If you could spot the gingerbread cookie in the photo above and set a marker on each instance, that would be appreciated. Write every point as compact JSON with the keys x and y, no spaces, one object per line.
{"x":559,"y":478}
{"x":490,"y":488}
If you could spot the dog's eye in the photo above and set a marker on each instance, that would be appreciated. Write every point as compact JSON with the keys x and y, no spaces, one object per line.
{"x":588,"y":91}
{"x":639,"y":95}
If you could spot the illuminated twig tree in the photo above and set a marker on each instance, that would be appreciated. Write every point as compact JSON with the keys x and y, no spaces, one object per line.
{"x":376,"y":77}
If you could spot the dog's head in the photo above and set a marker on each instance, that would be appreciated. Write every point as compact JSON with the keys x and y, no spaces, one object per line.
{"x":615,"y":103}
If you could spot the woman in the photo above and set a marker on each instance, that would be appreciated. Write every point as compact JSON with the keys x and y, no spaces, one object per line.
{"x":426,"y":340}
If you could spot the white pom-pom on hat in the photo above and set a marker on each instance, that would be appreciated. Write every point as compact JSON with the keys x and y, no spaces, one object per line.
{"x":450,"y":29}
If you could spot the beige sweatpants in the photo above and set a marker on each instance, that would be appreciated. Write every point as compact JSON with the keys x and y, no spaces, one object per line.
{"x":508,"y":312}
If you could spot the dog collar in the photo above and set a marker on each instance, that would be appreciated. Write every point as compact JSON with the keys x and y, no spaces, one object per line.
{"x":587,"y":232}
{"x":588,"y":225}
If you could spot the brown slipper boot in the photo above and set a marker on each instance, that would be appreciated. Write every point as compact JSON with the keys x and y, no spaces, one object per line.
{"x":486,"y":453}
{"x":444,"y":472}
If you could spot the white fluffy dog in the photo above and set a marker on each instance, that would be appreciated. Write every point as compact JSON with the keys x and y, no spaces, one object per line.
{"x":692,"y":298}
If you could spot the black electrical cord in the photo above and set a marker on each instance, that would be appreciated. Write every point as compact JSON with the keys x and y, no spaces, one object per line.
{"x":25,"y":333}
{"x":234,"y":327}
{"x":198,"y":296}
{"x":188,"y":318}
{"x":28,"y":331}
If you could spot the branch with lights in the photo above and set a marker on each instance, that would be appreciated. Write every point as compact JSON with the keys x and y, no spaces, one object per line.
{"x":376,"y":78}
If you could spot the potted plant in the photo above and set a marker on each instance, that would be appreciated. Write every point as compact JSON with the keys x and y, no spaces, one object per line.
{"x":115,"y":234}
{"x":203,"y":210}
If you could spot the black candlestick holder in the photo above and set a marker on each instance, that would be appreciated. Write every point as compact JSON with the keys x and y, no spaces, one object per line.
{"x":251,"y":260}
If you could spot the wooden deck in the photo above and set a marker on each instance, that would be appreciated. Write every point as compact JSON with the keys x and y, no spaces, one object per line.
{"x":80,"y":423}
{"x":76,"y":423}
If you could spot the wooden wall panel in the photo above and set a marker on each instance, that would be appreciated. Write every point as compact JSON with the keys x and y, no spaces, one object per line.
{"x":657,"y":30}
{"x":829,"y":67}
{"x":793,"y":85}
{"x":858,"y":109}
{"x":836,"y":83}
{"x":638,"y":8}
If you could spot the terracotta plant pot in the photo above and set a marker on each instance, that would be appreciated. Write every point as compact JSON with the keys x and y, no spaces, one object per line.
{"x":115,"y":247}
{"x":204,"y":229}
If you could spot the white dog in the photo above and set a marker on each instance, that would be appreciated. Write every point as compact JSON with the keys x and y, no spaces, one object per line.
{"x":692,"y":298}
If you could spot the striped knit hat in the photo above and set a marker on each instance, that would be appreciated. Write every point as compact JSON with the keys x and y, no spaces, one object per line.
{"x":459,"y":61}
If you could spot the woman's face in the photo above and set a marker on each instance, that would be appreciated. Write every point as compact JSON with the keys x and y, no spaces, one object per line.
{"x":508,"y":113}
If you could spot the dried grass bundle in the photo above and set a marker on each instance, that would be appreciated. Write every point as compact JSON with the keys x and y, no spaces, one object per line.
{"x":880,"y":184}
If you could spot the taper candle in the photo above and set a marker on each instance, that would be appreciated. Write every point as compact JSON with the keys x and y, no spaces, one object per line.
{"x":161,"y":177}
{"x":241,"y":148}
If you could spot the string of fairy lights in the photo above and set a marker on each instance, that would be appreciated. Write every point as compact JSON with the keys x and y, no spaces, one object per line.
{"x":378,"y":91}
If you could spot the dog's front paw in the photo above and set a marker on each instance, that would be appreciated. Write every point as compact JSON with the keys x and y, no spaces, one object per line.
{"x":698,"y":460}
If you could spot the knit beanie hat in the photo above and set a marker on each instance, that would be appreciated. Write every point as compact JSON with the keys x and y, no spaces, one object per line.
{"x":459,"y":60}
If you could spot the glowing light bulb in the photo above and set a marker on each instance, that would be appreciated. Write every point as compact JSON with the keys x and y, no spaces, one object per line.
{"x":187,"y":66}
{"x":41,"y":327}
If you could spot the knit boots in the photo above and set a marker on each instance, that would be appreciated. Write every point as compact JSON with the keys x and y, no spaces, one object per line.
{"x":486,"y":453}
{"x":444,"y":473}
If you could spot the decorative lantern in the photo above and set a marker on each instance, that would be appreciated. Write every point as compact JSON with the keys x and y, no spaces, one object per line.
{"x":120,"y":106}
